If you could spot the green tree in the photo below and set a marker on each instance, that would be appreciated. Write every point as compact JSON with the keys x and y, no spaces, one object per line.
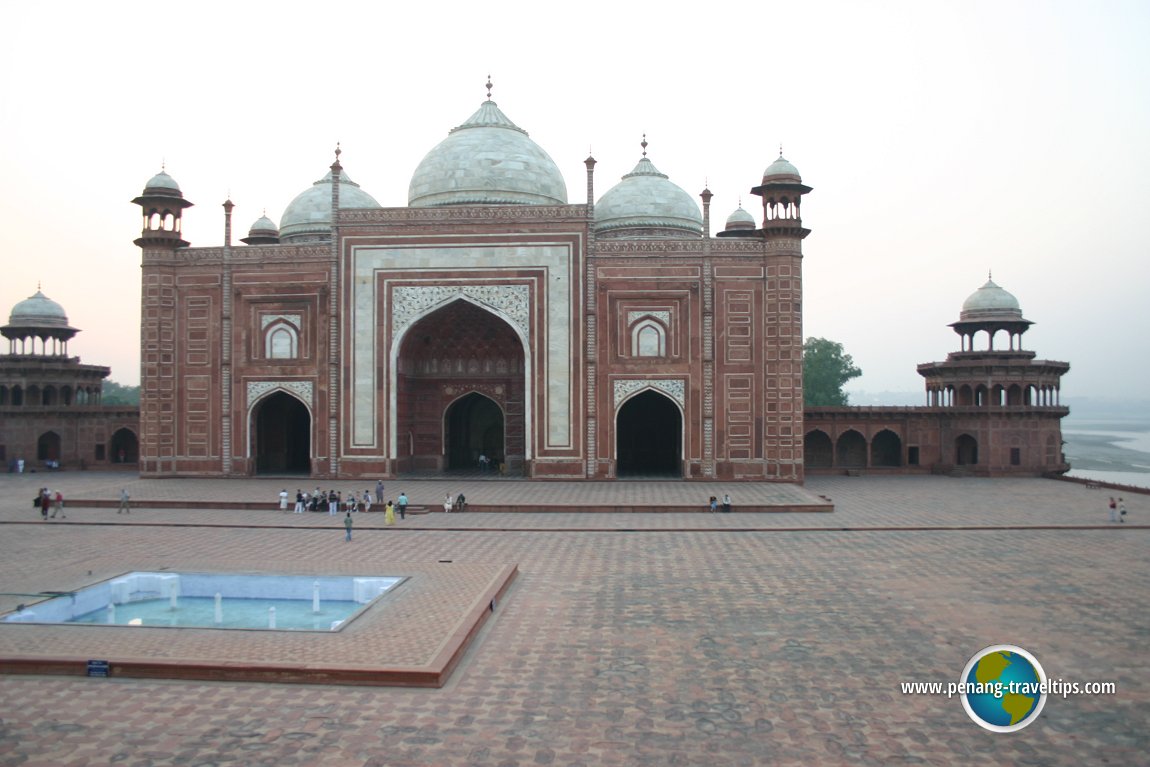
{"x":118,"y":394}
{"x":826,"y":367}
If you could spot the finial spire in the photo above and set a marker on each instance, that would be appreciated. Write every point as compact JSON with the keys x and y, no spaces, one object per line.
{"x":780,"y":149}
{"x":489,"y":87}
{"x":989,"y":275}
{"x":643,"y":144}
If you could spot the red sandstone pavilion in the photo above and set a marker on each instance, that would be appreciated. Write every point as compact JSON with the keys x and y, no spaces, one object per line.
{"x":492,"y":318}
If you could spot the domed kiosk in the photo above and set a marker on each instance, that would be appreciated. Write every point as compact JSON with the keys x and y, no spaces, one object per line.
{"x":51,"y":415}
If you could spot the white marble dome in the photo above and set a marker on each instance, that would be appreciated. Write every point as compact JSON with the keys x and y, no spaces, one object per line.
{"x":781,"y":170}
{"x":488,"y":160}
{"x":38,"y":311}
{"x":308,"y":217}
{"x":990,"y":301}
{"x":740,"y":220}
{"x":648,"y":204}
{"x":265,"y":227}
{"x":162,"y":183}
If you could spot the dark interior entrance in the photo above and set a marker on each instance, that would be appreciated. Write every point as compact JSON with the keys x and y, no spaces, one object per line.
{"x":281,"y":429}
{"x":474,"y":427}
{"x":48,"y":446}
{"x":966,"y":450}
{"x":125,"y":447}
{"x":648,"y":439}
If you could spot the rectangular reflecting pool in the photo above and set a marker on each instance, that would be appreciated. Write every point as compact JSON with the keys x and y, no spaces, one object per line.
{"x":214,"y":600}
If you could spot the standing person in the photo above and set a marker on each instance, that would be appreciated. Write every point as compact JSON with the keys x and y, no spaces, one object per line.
{"x":389,"y":514}
{"x":347,"y":523}
{"x":125,"y":507}
{"x":332,"y":502}
{"x":403,"y":505}
{"x":379,"y":491}
{"x":366,"y":501}
{"x":283,"y":499}
{"x":1113,"y":510}
{"x":45,"y":502}
{"x":299,"y":501}
{"x":58,"y":506}
{"x":1121,"y":510}
{"x":726,"y":503}
{"x":447,"y":503}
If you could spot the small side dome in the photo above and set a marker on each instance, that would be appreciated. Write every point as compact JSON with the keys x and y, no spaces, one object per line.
{"x":781,"y":170}
{"x":38,"y":311}
{"x":263,"y":232}
{"x":307,"y":218}
{"x":990,"y":302}
{"x":488,"y":160}
{"x":647,"y":204}
{"x":740,"y":221}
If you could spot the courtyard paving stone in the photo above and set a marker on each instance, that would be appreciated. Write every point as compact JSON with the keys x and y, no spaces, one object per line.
{"x":636,"y":639}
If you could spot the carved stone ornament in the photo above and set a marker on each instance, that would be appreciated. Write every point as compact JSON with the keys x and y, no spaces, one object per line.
{"x":675,"y":388}
{"x":302,"y":389}
{"x":410,"y":302}
{"x":267,"y":319}
{"x":664,"y":317}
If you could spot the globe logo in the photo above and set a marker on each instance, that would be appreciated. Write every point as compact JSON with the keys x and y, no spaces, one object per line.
{"x":1003,"y":688}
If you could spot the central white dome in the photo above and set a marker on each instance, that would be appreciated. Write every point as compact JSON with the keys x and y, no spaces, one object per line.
{"x":488,"y":160}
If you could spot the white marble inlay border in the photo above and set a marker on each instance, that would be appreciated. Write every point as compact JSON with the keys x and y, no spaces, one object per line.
{"x":303,"y":389}
{"x":553,"y":365}
{"x":675,"y":388}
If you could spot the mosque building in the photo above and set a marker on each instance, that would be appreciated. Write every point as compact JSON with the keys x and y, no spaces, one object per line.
{"x":493,"y":323}
{"x":51,"y":410}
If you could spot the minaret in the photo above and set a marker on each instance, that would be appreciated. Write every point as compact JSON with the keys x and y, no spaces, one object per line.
{"x":782,"y":191}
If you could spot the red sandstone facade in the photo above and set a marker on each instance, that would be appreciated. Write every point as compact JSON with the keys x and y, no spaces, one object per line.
{"x":490,"y":319}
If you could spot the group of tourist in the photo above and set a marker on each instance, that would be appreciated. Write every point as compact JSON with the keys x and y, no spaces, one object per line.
{"x":1117,"y":510}
{"x":333,"y":502}
{"x":713,"y":503}
{"x":46,"y":501}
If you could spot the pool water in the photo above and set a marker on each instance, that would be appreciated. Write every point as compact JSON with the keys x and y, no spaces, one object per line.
{"x":188,"y":600}
{"x":290,"y":614}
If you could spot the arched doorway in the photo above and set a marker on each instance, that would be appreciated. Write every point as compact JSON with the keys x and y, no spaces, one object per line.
{"x":461,"y":389}
{"x":281,"y":435}
{"x":966,"y":450}
{"x":648,"y":437}
{"x":473,"y":426}
{"x":851,"y":450}
{"x":48,"y":447}
{"x":125,"y":447}
{"x":818,"y":452}
{"x":886,"y":449}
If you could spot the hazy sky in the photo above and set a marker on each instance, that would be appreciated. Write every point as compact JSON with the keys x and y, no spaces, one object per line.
{"x":942,"y":140}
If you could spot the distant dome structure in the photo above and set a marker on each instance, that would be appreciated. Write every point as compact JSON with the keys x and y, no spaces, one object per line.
{"x":647,"y":204}
{"x":264,"y":231}
{"x":162,"y":182}
{"x":990,"y":302}
{"x":487,"y":160}
{"x":740,"y":220}
{"x":38,"y":317}
{"x":307,"y":218}
{"x":781,"y":170}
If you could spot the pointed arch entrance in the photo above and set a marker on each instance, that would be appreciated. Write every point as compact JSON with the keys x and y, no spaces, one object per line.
{"x":473,"y":426}
{"x":461,"y":391}
{"x":125,"y":446}
{"x":48,"y":447}
{"x":649,"y":437}
{"x":280,"y":435}
{"x":966,"y":450}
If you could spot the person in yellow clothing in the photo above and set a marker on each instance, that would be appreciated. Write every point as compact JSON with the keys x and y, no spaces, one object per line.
{"x":389,"y":514}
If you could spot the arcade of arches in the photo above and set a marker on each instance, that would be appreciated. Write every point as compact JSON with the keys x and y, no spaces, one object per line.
{"x":461,"y":392}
